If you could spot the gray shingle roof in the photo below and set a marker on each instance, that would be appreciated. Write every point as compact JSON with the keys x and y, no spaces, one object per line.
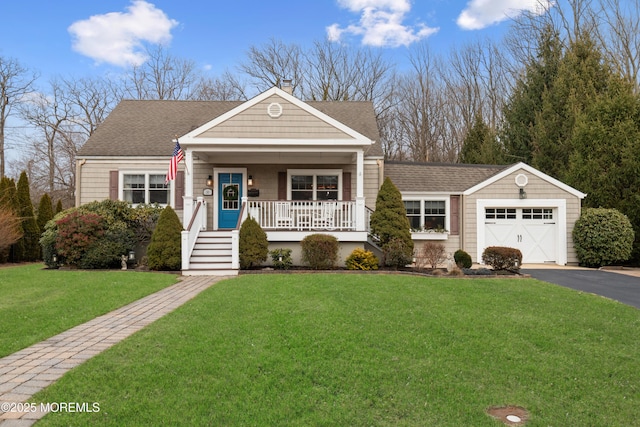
{"x":438,"y":177}
{"x":146,"y":128}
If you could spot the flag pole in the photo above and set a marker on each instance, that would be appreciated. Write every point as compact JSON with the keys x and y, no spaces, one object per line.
{"x":185,"y":159}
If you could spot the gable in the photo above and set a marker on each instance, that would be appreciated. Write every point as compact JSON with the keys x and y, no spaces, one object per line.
{"x":534,"y":179}
{"x":274,"y":117}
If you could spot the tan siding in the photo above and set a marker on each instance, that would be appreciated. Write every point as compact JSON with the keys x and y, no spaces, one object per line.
{"x":294,"y":123}
{"x":506,"y":188}
{"x":451,"y":245}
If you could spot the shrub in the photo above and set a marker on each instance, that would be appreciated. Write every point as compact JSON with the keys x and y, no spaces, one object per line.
{"x":602,"y":236}
{"x":389,"y":222}
{"x":281,"y":258}
{"x":397,"y":253}
{"x":431,"y":254}
{"x":107,"y":252}
{"x":502,"y":258}
{"x":253,"y":244}
{"x":362,"y":259}
{"x":462,"y":259}
{"x":10,"y":230}
{"x":164,"y":252}
{"x":319,"y":251}
{"x":76,"y":233}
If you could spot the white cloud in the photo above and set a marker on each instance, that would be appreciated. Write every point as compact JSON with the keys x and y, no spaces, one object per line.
{"x":381,"y":23}
{"x":480,"y":14}
{"x":117,"y":37}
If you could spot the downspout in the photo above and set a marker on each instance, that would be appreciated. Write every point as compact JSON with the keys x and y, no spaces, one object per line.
{"x":79,"y":164}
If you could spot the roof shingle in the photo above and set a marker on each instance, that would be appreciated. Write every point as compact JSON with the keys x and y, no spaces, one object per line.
{"x":438,"y":177}
{"x":147,"y":128}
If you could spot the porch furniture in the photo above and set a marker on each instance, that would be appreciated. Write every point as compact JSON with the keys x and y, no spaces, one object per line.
{"x":283,"y":215}
{"x":325,"y":217}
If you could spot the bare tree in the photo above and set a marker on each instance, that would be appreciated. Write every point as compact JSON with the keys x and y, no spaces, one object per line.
{"x":15,"y":82}
{"x":268,"y":65}
{"x":162,"y":76}
{"x":619,"y":36}
{"x":225,"y":88}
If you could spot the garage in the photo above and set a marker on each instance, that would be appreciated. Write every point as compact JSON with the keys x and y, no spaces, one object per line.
{"x":532,"y":230}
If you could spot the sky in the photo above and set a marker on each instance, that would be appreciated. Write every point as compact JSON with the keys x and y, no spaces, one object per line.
{"x":82,"y":38}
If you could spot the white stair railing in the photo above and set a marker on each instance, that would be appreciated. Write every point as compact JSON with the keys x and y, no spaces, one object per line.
{"x":190,"y":235}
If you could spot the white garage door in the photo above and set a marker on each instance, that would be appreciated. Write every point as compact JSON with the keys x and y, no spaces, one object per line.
{"x":532,"y":230}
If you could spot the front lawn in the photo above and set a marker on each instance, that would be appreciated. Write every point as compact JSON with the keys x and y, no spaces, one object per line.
{"x":36,"y":304}
{"x":364,"y":350}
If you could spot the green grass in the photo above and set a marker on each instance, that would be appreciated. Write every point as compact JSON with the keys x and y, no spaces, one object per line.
{"x":363,"y":350}
{"x":36,"y":304}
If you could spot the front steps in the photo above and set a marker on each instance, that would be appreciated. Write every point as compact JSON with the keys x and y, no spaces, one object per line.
{"x":211,"y":255}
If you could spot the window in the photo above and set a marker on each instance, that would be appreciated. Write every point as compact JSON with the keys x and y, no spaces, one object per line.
{"x":500,"y":213}
{"x":537,"y":213}
{"x":145,"y":188}
{"x":413,"y":213}
{"x":315,"y":184}
{"x":427,"y":214}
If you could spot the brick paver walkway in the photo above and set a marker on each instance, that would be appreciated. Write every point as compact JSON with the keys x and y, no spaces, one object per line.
{"x":24,"y":373}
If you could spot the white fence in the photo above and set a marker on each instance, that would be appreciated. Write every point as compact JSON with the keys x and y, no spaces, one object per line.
{"x":303,"y":215}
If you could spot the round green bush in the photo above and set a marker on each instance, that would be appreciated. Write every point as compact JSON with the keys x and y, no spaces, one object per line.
{"x":602,"y":237}
{"x":462,"y":259}
{"x":164,"y":252}
{"x":362,"y":259}
{"x":319,"y":251}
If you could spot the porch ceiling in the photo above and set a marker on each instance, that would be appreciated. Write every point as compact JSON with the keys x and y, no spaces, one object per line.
{"x":307,"y":157}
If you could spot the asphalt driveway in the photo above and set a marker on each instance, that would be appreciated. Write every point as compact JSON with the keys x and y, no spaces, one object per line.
{"x":616,"y":286}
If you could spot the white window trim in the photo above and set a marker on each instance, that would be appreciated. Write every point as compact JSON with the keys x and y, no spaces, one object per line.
{"x":423,"y":198}
{"x":146,"y":174}
{"x":314,"y":173}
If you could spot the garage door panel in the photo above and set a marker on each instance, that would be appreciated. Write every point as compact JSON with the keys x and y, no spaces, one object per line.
{"x":535,"y":237}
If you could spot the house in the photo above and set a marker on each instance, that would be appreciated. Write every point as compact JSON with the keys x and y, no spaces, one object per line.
{"x":305,"y":167}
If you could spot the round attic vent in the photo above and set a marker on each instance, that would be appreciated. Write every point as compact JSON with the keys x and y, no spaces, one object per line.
{"x":274,"y":110}
{"x":521,"y":180}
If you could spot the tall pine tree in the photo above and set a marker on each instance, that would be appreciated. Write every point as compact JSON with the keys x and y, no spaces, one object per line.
{"x":481,"y":146}
{"x":28,"y":248}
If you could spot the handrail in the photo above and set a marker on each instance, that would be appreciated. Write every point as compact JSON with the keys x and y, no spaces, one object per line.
{"x":193,"y":217}
{"x":240,"y":217}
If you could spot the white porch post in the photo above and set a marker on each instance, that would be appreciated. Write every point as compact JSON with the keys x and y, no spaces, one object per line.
{"x":188,"y":188}
{"x":360,"y":209}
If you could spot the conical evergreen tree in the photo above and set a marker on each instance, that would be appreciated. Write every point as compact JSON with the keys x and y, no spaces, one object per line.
{"x":28,"y":248}
{"x":45,"y":211}
{"x":390,"y":223}
{"x":164,"y":250}
{"x":481,"y":146}
{"x":58,"y":207}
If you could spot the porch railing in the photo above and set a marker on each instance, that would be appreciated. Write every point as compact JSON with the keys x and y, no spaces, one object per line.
{"x":303,"y":215}
{"x":190,"y":235}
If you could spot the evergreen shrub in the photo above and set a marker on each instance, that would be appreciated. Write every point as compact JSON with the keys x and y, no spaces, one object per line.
{"x":253,"y":244}
{"x":502,"y":258}
{"x":389,"y":224}
{"x":281,"y":258}
{"x":164,"y":251}
{"x":319,"y":251}
{"x":462,"y":259}
{"x":602,"y":237}
{"x":362,"y":259}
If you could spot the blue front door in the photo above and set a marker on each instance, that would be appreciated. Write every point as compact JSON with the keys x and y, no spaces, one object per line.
{"x":229,"y":199}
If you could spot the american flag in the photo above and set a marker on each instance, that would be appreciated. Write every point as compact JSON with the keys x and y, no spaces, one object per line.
{"x":175,"y":159}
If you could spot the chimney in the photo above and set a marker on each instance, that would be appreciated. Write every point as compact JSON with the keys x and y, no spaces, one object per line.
{"x":287,"y":86}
